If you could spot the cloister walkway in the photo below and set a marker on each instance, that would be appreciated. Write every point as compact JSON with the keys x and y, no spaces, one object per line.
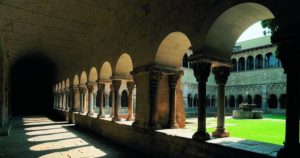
{"x":39,"y":136}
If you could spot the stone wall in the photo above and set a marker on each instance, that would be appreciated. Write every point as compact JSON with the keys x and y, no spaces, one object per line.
{"x":157,"y":144}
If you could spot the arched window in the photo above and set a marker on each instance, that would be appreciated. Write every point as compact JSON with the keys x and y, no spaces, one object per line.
{"x":257,"y":100}
{"x":270,"y":60}
{"x":249,"y":99}
{"x":239,"y":100}
{"x":213,"y":101}
{"x":231,"y":101}
{"x":259,"y":62}
{"x":250,"y":63}
{"x":272,"y":101}
{"x":185,"y":62}
{"x":207,"y":101}
{"x":196,"y":101}
{"x":282,"y":101}
{"x":241,"y":64}
{"x":234,"y":68}
{"x":190,"y":100}
{"x":124,"y":99}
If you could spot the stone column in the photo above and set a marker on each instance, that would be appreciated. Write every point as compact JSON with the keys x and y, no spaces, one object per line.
{"x":67,"y":99}
{"x":287,"y":39}
{"x":90,"y":87}
{"x":172,"y":79}
{"x":82,"y":90}
{"x":130,"y":87}
{"x":155,"y":77}
{"x":59,"y":100}
{"x":100,"y":92}
{"x":221,"y":76}
{"x":54,"y":100}
{"x":201,"y":72}
{"x":76,"y":94}
{"x":264,"y":99}
{"x":63,"y":100}
{"x":116,"y":87}
{"x":112,"y":101}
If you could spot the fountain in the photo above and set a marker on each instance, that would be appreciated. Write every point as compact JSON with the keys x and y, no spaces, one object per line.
{"x":246,"y":111}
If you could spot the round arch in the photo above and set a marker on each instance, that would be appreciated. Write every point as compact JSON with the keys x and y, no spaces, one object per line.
{"x":124,"y":66}
{"x":59,"y":86}
{"x":67,"y":83}
{"x":259,"y":61}
{"x":250,"y":63}
{"x":63,"y":85}
{"x":190,"y":100}
{"x":105,"y":71}
{"x":124,"y":99}
{"x":172,"y":50}
{"x":230,"y":24}
{"x":258,"y":100}
{"x":83,"y":78}
{"x":234,"y":68}
{"x":76,"y":80}
{"x":93,"y":76}
{"x":272,"y":101}
{"x":241,"y":64}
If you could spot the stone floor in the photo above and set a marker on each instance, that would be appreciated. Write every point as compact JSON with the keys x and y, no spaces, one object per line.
{"x":38,"y":136}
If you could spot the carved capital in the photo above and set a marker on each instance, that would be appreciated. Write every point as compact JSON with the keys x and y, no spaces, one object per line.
{"x":101,"y":86}
{"x":155,"y":76}
{"x":130,"y":86}
{"x":201,"y":71}
{"x":82,"y":89}
{"x":116,"y":84}
{"x":221,"y":74}
{"x":90,"y":86}
{"x":173,"y":79}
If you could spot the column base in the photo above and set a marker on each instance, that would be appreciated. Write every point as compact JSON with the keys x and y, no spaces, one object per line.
{"x":201,"y":136}
{"x":284,"y":152}
{"x":155,"y":126}
{"x":90,"y":114}
{"x":114,"y":119}
{"x":173,"y":125}
{"x":220,"y":133}
{"x":130,"y":118}
{"x":101,"y":116}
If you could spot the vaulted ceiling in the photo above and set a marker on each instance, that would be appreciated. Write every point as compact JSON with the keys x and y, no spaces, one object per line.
{"x":50,"y":25}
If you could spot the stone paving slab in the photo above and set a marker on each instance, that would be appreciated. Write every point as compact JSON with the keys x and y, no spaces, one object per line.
{"x":33,"y":137}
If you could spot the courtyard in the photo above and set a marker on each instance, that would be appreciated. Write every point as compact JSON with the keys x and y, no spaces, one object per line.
{"x":270,"y":129}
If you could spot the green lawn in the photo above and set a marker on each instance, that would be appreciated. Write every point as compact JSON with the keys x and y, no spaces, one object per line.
{"x":270,"y":129}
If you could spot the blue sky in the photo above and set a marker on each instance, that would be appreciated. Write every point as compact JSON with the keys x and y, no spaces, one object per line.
{"x":252,"y":32}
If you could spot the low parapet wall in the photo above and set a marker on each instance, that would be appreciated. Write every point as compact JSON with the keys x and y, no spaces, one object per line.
{"x":157,"y":144}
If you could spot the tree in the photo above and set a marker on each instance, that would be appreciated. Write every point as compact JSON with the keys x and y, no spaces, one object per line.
{"x":270,"y":24}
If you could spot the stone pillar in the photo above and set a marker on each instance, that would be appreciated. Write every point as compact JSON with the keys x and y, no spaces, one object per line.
{"x":90,"y":87}
{"x":59,"y":100}
{"x":63,"y":100}
{"x":221,"y":76}
{"x":130,"y":87}
{"x":172,"y":79}
{"x":201,"y":72}
{"x":155,"y":77}
{"x":116,"y":87}
{"x":76,"y":94}
{"x":287,"y":38}
{"x":54,"y":100}
{"x":67,"y":99}
{"x":264,"y":99}
{"x":100,"y":92}
{"x":82,"y":90}
{"x":112,"y":101}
